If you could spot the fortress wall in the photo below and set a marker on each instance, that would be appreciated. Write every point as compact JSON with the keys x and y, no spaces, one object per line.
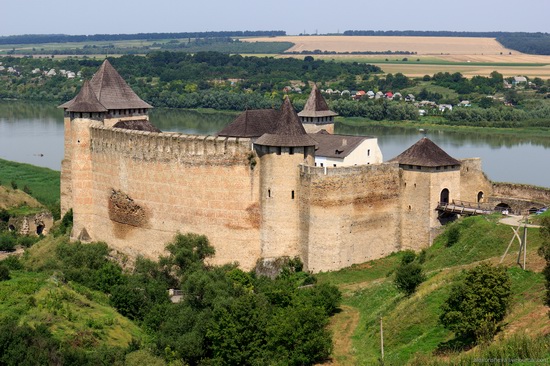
{"x":148,"y":186}
{"x":353,"y":214}
{"x":522,"y":191}
{"x":473,"y":181}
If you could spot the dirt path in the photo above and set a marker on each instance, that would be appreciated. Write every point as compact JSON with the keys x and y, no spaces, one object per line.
{"x":18,"y":251}
{"x":343,"y":326}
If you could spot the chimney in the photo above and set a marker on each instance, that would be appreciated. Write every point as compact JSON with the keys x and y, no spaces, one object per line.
{"x":344,"y":142}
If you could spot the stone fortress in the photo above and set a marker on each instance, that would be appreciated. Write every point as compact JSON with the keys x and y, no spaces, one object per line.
{"x":263,"y":188}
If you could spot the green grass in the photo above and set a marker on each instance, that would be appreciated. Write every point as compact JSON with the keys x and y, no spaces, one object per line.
{"x":446,"y":92}
{"x":44,"y":183}
{"x":411,"y":329}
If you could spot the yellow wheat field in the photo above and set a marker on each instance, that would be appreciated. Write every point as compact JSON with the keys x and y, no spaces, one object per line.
{"x":420,"y":45}
{"x":446,"y":49}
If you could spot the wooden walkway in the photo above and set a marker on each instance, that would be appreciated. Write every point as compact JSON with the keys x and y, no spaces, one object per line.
{"x":463,"y":208}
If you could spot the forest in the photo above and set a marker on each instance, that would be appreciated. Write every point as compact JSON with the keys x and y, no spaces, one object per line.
{"x":233,"y":82}
{"x":64,"y":38}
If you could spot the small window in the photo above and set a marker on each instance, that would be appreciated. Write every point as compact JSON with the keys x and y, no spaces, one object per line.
{"x":269,"y":193}
{"x":321,"y":165}
{"x":291,"y":150}
{"x":437,"y":168}
{"x":279,"y":150}
{"x":292,"y":194}
{"x":368,"y":152}
{"x":410,"y":166}
{"x":418,"y":167}
{"x":334,"y":165}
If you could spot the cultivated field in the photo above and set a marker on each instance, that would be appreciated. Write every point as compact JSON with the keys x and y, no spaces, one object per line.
{"x":469,"y":56}
{"x":420,"y":45}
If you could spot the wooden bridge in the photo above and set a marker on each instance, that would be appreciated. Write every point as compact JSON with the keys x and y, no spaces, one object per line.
{"x":464,"y":208}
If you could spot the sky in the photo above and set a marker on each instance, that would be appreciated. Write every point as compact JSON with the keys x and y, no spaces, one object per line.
{"x":293,"y":16}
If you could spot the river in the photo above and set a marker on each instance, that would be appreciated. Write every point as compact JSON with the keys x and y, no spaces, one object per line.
{"x":33,"y":133}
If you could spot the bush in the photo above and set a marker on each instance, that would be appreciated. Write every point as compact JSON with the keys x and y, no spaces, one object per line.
{"x":408,"y":257}
{"x":453,"y":235}
{"x":408,"y":277}
{"x":4,"y":273}
{"x":478,"y":303}
{"x":12,"y":262}
{"x":7,"y":242}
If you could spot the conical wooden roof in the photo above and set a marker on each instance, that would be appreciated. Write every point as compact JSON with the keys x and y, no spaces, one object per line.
{"x":252,"y":123}
{"x":288,"y":130}
{"x":425,"y":153}
{"x":316,"y":105}
{"x":86,"y":101}
{"x":112,"y":91}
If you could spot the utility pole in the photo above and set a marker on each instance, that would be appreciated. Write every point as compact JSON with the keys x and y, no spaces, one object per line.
{"x":381,"y":339}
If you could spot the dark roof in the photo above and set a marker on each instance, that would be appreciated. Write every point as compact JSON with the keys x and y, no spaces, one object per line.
{"x":138,"y":125}
{"x":425,"y":153}
{"x":288,"y":130}
{"x":336,"y":146}
{"x":86,"y":101}
{"x":112,"y":91}
{"x":252,"y":123}
{"x":316,"y":106}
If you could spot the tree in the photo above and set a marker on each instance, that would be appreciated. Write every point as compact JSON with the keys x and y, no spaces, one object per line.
{"x":408,"y":277}
{"x":477,"y":303}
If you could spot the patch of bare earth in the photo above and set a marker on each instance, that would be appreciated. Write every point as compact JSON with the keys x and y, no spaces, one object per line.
{"x":343,"y":326}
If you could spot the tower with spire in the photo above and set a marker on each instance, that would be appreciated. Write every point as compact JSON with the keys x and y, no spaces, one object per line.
{"x":106,"y":100}
{"x":316,"y":115}
{"x":281,"y":151}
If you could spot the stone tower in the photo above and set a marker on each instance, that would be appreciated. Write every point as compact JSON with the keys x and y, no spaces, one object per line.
{"x":429,"y":176}
{"x":281,"y":152}
{"x":106,"y":100}
{"x":316,"y":115}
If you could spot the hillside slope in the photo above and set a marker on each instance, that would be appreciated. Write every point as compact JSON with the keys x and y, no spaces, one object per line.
{"x":412,"y":333}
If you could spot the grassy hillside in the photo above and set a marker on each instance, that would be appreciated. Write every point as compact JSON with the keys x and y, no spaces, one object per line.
{"x":412,"y":333}
{"x":74,"y":314}
{"x":42,"y":182}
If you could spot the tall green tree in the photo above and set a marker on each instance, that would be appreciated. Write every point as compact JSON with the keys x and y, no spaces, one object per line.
{"x":478,"y":303}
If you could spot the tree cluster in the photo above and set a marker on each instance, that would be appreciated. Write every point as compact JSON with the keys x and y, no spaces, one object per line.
{"x":225,"y":316}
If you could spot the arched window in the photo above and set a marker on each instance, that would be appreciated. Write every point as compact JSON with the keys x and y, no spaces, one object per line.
{"x":480,"y":197}
{"x":444,"y":196}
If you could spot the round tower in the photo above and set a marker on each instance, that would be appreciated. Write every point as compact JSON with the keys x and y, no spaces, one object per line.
{"x":281,"y":152}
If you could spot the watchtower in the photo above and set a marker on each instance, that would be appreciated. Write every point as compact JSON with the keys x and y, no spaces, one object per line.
{"x":281,"y":152}
{"x":429,"y":176}
{"x":316,"y":114}
{"x":106,"y":100}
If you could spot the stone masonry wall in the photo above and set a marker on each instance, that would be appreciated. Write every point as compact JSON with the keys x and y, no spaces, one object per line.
{"x":149,"y":186}
{"x":349,"y":215}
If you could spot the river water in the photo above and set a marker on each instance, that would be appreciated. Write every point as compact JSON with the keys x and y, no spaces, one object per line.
{"x":33,"y":133}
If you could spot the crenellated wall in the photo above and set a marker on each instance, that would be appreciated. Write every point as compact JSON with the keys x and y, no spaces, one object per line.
{"x":135,"y":190}
{"x":148,"y":186}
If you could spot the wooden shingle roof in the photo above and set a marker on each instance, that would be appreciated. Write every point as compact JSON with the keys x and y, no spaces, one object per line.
{"x":252,"y":123}
{"x":316,"y":105}
{"x":86,"y":101}
{"x":425,"y":153}
{"x":112,"y":91}
{"x":288,"y":130}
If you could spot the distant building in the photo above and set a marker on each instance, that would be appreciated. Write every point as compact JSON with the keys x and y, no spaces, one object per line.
{"x":316,"y":114}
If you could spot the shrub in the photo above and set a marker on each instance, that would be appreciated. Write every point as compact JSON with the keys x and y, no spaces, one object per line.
{"x":408,"y":277}
{"x":12,"y":262}
{"x":478,"y":303}
{"x":13,"y":184}
{"x":408,"y":257}
{"x":7,"y":242}
{"x":453,"y":235}
{"x":4,"y":273}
